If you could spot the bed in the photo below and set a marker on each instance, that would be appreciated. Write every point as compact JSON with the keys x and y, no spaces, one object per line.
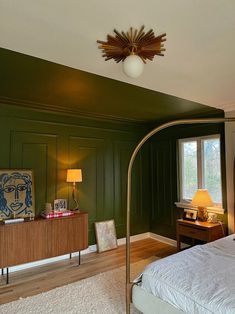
{"x":166,"y":307}
{"x":199,"y":280}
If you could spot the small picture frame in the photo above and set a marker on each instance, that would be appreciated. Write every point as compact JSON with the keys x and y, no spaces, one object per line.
{"x":190,"y":214}
{"x":105,"y":235}
{"x":60,"y":204}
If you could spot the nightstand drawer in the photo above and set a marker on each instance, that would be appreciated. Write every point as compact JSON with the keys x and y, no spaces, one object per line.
{"x":194,"y":233}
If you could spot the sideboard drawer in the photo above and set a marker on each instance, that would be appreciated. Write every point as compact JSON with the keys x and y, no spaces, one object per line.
{"x":194,"y":233}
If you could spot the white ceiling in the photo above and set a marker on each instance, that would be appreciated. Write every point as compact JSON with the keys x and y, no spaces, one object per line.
{"x":199,"y":63}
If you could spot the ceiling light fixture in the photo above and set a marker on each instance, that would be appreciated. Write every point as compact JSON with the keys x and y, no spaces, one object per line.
{"x":133,"y":48}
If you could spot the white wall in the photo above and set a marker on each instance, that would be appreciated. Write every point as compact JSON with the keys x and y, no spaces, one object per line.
{"x":230,"y":157}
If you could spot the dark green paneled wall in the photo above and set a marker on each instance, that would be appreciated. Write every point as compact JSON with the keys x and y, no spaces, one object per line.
{"x":50,"y":143}
{"x":164,"y":165}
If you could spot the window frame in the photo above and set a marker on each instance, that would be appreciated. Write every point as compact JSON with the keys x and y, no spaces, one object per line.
{"x":200,"y":162}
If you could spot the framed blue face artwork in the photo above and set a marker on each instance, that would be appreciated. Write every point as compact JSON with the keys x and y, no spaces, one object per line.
{"x":16,"y":193}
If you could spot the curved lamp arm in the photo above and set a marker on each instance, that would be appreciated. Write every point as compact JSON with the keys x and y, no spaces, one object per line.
{"x":130,"y":166}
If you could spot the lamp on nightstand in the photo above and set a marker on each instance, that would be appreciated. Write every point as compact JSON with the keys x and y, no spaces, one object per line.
{"x":74,"y":175}
{"x":202,"y":199}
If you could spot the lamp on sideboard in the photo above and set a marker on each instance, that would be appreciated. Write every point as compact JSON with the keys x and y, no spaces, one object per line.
{"x":202,"y":199}
{"x":73,"y":176}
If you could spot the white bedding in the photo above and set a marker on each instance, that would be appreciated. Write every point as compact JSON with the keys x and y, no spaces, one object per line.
{"x":198,"y":280}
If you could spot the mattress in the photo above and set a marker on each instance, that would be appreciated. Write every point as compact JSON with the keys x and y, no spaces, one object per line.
{"x":197,"y":280}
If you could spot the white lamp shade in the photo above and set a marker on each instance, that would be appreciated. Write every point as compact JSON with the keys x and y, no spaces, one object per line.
{"x":74,"y":175}
{"x":133,"y":66}
{"x":202,"y":198}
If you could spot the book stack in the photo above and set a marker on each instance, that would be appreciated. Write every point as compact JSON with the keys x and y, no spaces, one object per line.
{"x":57,"y":214}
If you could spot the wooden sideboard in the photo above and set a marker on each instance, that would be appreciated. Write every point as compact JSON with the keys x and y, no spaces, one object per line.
{"x":42,"y":238}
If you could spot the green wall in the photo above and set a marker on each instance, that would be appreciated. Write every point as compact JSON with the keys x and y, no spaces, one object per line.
{"x":164,"y":166}
{"x":50,"y":143}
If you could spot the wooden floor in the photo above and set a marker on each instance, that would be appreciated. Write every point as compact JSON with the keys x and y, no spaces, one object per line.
{"x":43,"y":278}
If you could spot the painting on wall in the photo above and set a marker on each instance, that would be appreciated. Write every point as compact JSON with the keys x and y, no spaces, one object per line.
{"x":16,"y":193}
{"x":106,"y":235}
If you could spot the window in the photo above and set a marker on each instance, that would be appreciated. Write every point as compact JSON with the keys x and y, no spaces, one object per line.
{"x":200,"y":167}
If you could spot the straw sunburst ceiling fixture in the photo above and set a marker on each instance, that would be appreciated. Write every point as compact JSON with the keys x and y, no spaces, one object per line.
{"x":133,"y":48}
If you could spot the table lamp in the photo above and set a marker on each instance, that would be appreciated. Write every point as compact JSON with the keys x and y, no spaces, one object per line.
{"x":202,"y":199}
{"x":74,"y":175}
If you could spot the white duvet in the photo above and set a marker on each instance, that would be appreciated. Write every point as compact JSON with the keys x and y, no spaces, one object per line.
{"x":198,"y":280}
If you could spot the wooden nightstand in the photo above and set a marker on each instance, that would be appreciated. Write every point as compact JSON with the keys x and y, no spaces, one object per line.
{"x":198,"y":230}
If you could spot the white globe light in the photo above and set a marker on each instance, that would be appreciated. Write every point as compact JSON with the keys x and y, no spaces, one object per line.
{"x":133,"y":66}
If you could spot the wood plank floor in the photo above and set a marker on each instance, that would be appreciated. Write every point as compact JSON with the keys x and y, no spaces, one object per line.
{"x":43,"y":278}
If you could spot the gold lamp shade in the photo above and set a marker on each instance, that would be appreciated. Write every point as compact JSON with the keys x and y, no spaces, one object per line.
{"x":202,"y":199}
{"x":74,"y":175}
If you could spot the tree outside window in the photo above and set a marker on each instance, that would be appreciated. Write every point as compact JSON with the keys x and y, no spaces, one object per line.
{"x":200,"y":167}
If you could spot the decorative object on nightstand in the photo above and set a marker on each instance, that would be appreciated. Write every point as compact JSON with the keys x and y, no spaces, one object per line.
{"x":74,"y":175}
{"x":202,"y":199}
{"x":212,"y":217}
{"x":190,"y":214}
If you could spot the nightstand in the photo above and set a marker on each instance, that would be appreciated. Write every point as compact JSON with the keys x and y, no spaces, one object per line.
{"x":198,"y":230}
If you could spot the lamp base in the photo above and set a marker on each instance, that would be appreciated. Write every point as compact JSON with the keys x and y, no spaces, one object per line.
{"x":76,"y":210}
{"x":202,"y":214}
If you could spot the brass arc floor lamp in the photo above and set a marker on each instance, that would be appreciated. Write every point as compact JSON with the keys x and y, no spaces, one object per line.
{"x":130,"y":166}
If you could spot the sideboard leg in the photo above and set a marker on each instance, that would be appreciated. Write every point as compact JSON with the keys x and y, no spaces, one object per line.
{"x":2,"y":271}
{"x":70,"y":255}
{"x":79,"y":258}
{"x":7,"y":280}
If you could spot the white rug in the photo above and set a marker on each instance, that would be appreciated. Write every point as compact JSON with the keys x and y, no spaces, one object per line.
{"x":101,"y":294}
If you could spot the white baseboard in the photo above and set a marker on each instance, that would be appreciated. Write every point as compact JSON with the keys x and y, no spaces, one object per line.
{"x":167,"y":240}
{"x":134,"y":238}
{"x":162,"y":239}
